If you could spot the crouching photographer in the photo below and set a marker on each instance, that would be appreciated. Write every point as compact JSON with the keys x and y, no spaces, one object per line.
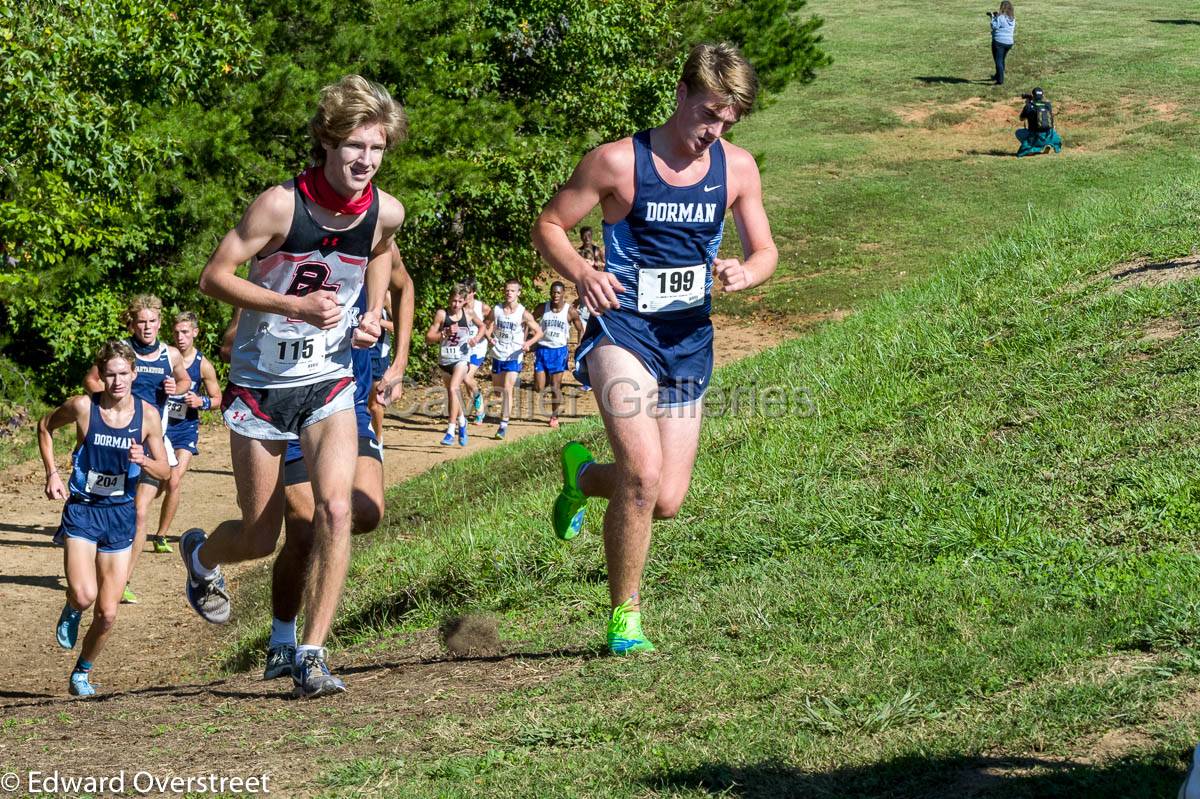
{"x":1038,"y":135}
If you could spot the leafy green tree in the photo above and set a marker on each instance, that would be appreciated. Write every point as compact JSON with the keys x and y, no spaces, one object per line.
{"x":134,"y":132}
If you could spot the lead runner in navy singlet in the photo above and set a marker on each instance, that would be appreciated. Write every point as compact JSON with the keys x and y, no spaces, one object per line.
{"x":314,"y":243}
{"x":647,"y":349}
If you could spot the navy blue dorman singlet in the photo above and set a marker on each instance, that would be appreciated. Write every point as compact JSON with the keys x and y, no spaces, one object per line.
{"x":101,"y":473}
{"x":662,"y":251}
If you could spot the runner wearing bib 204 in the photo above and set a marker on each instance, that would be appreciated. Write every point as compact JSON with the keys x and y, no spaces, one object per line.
{"x":116,"y":431}
{"x":647,"y":349}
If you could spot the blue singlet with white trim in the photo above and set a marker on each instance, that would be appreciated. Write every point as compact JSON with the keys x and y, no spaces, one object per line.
{"x":669,"y":231}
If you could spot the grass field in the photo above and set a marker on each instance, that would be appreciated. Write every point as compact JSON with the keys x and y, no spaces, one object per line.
{"x":970,"y":571}
{"x":899,"y":157}
{"x":963,"y":562}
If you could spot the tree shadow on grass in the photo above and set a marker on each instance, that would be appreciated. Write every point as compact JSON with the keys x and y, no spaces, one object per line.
{"x":1137,"y":776}
{"x":936,"y":79}
{"x":994,"y":152}
{"x":1177,"y":21}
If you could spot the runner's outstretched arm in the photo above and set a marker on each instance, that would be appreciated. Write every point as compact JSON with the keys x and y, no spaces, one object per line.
{"x":758,"y":247}
{"x":589,"y":184}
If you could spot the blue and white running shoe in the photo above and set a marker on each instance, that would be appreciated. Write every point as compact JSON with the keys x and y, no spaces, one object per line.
{"x":80,"y":685}
{"x":311,"y":677}
{"x":67,"y":629}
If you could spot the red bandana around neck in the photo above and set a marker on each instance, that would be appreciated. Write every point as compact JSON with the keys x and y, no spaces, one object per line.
{"x":315,"y":186}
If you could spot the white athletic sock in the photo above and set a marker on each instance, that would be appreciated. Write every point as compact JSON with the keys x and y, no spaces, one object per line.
{"x":282,"y":632}
{"x":462,"y":421}
{"x":199,"y":568}
{"x":504,"y":423}
{"x":450,"y":428}
{"x":303,"y":649}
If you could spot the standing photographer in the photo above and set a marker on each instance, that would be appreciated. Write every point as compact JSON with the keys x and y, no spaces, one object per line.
{"x":1004,"y":25}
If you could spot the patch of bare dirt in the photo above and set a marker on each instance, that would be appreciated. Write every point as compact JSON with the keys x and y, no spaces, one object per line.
{"x":243,"y":726}
{"x":1150,"y":272}
{"x":1162,"y":331}
{"x":977,"y":126}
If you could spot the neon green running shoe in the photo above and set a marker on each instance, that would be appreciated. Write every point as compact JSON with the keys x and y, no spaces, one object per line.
{"x":161,"y":546}
{"x":625,"y":634}
{"x":128,"y":597}
{"x":567,"y":516}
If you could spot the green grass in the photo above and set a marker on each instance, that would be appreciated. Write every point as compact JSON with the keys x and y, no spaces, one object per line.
{"x":979,"y":544}
{"x":861,"y":201}
{"x":971,"y":559}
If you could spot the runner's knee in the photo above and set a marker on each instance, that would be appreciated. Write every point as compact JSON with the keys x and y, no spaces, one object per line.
{"x":643,"y":480}
{"x":82,"y":597}
{"x":105,"y":616}
{"x":336,"y":512}
{"x":667,"y":505}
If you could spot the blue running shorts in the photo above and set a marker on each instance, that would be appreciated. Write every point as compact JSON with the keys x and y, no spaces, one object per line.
{"x":550,"y":359}
{"x":109,"y":527}
{"x":678,"y":353}
{"x":514,"y":365}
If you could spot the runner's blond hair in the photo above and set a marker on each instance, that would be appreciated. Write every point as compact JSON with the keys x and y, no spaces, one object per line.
{"x":722,"y":70}
{"x":114,"y":349}
{"x":348,"y":104}
{"x":187,"y":316}
{"x":141,"y":302}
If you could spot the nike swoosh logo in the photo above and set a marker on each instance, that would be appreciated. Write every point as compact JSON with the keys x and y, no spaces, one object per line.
{"x":707,"y":189}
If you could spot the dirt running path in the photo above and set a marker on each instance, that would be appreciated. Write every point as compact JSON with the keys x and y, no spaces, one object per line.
{"x":159,"y":641}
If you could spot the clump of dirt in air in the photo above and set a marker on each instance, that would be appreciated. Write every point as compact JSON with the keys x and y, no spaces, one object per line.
{"x":472,"y":635}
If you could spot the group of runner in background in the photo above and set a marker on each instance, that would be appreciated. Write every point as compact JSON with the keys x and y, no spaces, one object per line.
{"x":467,"y":329}
{"x":142,"y":393}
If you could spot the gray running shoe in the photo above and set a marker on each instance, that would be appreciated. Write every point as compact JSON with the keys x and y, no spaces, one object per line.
{"x":207,"y":596}
{"x":311,"y":677}
{"x":279,"y":661}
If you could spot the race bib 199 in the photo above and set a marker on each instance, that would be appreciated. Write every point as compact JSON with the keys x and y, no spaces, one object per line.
{"x":291,"y":357}
{"x":674,"y":288}
{"x":105,"y":485}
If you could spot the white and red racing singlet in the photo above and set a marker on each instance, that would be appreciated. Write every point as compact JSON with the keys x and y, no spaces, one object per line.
{"x":272,"y":351}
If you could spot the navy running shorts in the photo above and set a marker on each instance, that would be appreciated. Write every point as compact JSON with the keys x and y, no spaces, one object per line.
{"x":378,"y":367}
{"x":295,"y":468}
{"x":109,"y":527}
{"x":185,"y":435}
{"x":678,"y":353}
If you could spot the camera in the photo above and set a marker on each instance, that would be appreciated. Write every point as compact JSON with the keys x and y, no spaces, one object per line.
{"x":992,"y":14}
